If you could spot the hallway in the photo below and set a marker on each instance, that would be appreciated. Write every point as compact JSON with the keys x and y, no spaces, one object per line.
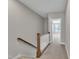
{"x":32,"y":21}
{"x":54,"y":51}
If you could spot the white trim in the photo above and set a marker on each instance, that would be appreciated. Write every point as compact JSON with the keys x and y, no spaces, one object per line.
{"x":62,"y":43}
{"x":20,"y":55}
{"x":16,"y":57}
{"x":67,"y":51}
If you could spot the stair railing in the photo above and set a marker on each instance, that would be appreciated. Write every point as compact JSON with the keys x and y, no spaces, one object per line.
{"x":42,"y":43}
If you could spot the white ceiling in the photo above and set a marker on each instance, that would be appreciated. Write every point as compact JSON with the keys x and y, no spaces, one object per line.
{"x":43,"y":7}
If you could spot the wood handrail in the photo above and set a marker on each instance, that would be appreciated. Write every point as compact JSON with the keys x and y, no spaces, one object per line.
{"x":47,"y":45}
{"x":45,"y":48}
{"x":26,"y":42}
{"x":38,"y":48}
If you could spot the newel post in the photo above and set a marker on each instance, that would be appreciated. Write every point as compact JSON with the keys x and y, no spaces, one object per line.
{"x":49,"y":36}
{"x":38,"y":52}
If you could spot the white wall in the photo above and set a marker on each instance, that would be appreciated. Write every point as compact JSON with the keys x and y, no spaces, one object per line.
{"x":45,"y":26}
{"x":67,"y":24}
{"x":25,"y":24}
{"x":57,"y":15}
{"x":50,"y":28}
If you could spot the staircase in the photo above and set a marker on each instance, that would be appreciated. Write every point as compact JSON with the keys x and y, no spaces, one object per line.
{"x":43,"y":42}
{"x":54,"y":51}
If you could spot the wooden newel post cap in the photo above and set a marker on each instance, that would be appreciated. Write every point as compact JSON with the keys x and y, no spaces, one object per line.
{"x":38,"y":33}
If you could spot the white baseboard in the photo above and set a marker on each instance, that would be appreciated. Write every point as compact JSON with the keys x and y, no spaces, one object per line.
{"x":16,"y":57}
{"x":67,"y":51}
{"x":20,"y":55}
{"x":62,"y":43}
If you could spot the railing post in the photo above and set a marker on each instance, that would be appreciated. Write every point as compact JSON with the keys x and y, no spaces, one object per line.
{"x":49,"y":37}
{"x":38,"y":52}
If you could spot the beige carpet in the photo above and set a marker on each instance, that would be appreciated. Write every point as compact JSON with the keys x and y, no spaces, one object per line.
{"x":54,"y":51}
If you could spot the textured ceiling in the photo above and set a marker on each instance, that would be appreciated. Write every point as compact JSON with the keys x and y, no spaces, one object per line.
{"x":43,"y":7}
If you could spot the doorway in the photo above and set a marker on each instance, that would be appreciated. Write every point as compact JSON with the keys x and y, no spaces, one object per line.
{"x":56,"y":30}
